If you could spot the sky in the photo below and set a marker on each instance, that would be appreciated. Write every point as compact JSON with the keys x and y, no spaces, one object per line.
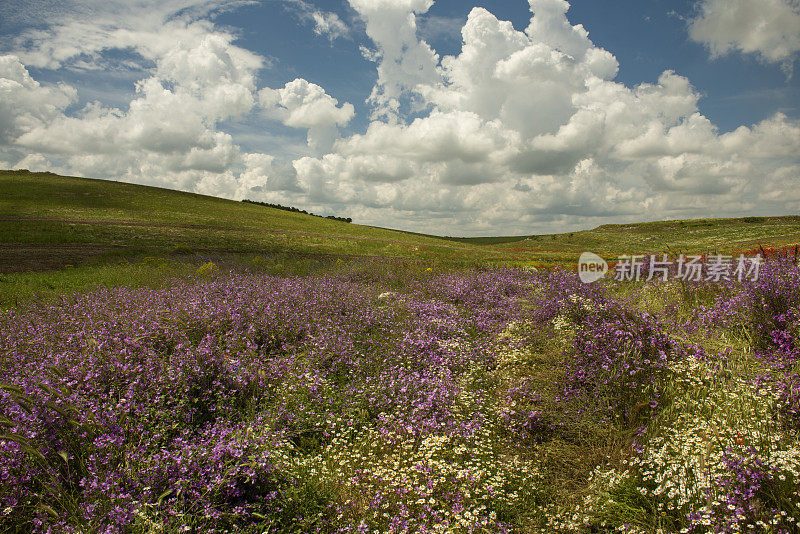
{"x":449,"y":117}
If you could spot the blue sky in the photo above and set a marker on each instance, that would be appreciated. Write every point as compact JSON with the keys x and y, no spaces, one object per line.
{"x":381,"y":110}
{"x":646,"y":37}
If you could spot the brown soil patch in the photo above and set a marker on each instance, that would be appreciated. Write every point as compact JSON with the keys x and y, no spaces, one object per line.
{"x":17,"y":258}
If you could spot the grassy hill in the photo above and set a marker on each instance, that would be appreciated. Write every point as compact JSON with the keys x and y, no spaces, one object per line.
{"x":59,"y":234}
{"x":63,"y":234}
{"x":691,"y":236}
{"x":53,"y":220}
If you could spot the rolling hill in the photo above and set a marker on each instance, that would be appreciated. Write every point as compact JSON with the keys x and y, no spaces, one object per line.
{"x":49,"y":221}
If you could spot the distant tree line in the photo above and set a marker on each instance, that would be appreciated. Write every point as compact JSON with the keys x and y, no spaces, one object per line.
{"x":297,"y":210}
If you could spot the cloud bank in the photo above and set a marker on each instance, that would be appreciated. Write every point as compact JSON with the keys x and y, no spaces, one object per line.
{"x":520,"y":132}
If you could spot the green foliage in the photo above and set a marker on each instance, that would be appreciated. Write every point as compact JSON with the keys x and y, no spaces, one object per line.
{"x":207,"y":269}
{"x":23,"y":289}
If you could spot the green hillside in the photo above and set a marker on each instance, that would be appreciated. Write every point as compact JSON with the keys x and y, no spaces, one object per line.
{"x":51,"y":221}
{"x":691,"y":236}
{"x":61,"y":234}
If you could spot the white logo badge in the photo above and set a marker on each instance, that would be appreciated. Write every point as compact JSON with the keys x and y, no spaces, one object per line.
{"x":591,"y":267}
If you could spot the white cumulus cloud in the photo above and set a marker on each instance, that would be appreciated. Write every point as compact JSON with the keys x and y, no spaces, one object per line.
{"x":768,"y":28}
{"x":169,"y":132}
{"x":529,"y":127}
{"x":326,"y":23}
{"x":404,"y":61}
{"x":302,"y":104}
{"x":24,"y":103}
{"x":517,"y":132}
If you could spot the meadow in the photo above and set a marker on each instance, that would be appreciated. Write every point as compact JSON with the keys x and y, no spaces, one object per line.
{"x":241,"y":390}
{"x":61,"y":234}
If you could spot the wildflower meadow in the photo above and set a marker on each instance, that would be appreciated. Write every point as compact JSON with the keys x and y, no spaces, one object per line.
{"x":395,"y":398}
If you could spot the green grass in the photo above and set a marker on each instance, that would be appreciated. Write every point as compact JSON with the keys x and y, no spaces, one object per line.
{"x":63,"y":234}
{"x":693,"y":236}
{"x":22,"y":288}
{"x":44,"y":209}
{"x":18,"y":288}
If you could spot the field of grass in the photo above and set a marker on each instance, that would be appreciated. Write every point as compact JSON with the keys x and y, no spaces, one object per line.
{"x":178,"y":363}
{"x":113,"y":219}
{"x":98,"y":219}
{"x":62,"y":234}
{"x":697,"y":236}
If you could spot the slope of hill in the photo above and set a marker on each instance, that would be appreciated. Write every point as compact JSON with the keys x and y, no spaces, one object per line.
{"x":48,"y":221}
{"x":61,"y":234}
{"x":691,"y":236}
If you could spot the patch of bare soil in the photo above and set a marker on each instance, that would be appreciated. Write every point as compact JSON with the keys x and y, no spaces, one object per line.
{"x":17,"y":258}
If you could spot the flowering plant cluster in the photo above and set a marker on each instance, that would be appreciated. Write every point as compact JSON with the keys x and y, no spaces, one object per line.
{"x":382,"y":400}
{"x":722,"y":455}
{"x":259,"y":404}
